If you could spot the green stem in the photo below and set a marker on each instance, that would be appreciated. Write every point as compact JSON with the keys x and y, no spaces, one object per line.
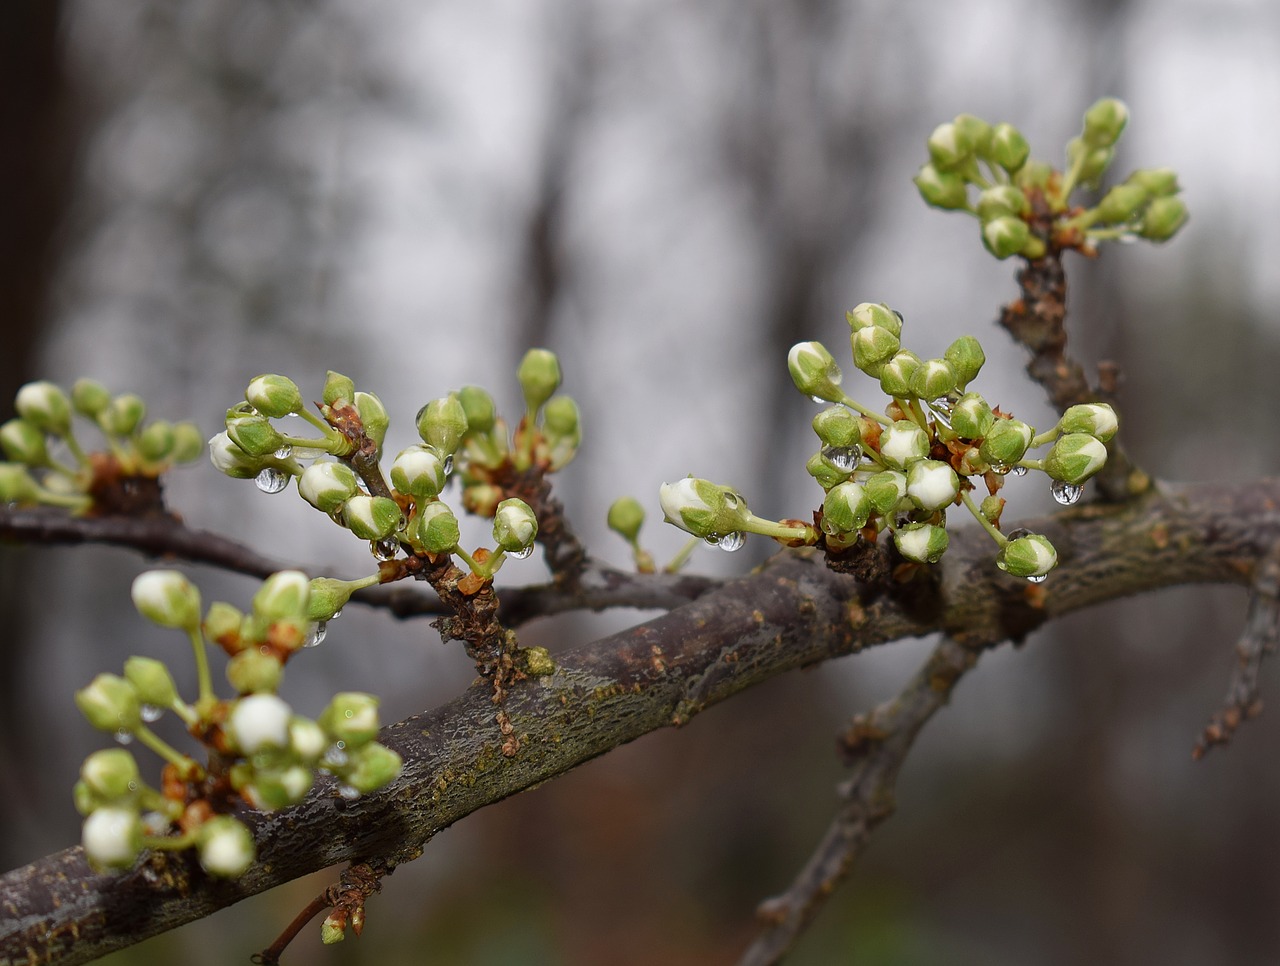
{"x":771,"y":528}
{"x":1047,"y":436}
{"x":207,"y":698}
{"x":164,"y":749}
{"x":316,"y":421}
{"x":987,"y":525}
{"x":332,"y":444}
{"x":171,"y":843}
{"x":1110,"y":234}
{"x":73,"y":445}
{"x":680,"y":558}
{"x":69,"y":501}
{"x":864,"y":411}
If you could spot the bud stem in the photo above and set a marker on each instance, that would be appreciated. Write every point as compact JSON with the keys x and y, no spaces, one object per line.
{"x":681,"y":557}
{"x":1048,"y":436}
{"x":164,"y":749}
{"x":771,"y":528}
{"x":987,"y":525}
{"x":207,"y":698}
{"x":864,"y":411}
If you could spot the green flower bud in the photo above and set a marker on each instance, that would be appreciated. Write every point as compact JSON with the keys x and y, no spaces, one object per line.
{"x":167,"y":598}
{"x":274,"y":395}
{"x":1006,"y":442}
{"x":1074,"y":458}
{"x":16,"y":484}
{"x":1163,"y":218}
{"x":373,"y":416}
{"x":626,"y":516}
{"x":442,"y":423}
{"x":479,"y":409}
{"x":837,"y":426}
{"x":1001,"y":200}
{"x":1158,"y":182}
{"x":1005,"y":236}
{"x":933,"y":378}
{"x":89,"y":398}
{"x":702,"y":508}
{"x":824,"y":471}
{"x":307,"y":740}
{"x":1097,"y":419}
{"x":846,"y":508}
{"x":110,"y":703}
{"x":327,"y":596}
{"x":258,"y":722}
{"x":903,"y":443}
{"x":327,"y":485}
{"x":966,"y":358}
{"x":971,"y":417}
{"x":1104,"y":122}
{"x":991,"y":508}
{"x":1008,"y":147}
{"x":867,"y":315}
{"x":949,"y":147}
{"x":437,"y":528}
{"x":921,"y":542}
{"x":112,"y":837}
{"x":371,"y":517}
{"x":155,"y":443}
{"x":932,"y":484}
{"x":1034,"y":175}
{"x":886,"y":490}
{"x":230,"y":459}
{"x":1031,"y":556}
{"x":1095,"y":160}
{"x":337,"y":387}
{"x":895,"y":375}
{"x":514,"y":526}
{"x":351,"y":717}
{"x":482,"y":499}
{"x":814,"y":371}
{"x":539,"y":375}
{"x":123,"y":414}
{"x":873,"y":347}
{"x":283,"y":596}
{"x":222,"y":624}
{"x":226,"y":847}
{"x":254,"y":435}
{"x":152,"y":681}
{"x":45,"y":406}
{"x":22,"y":442}
{"x":112,"y":775}
{"x":275,"y":788}
{"x":561,"y":417}
{"x":974,"y":131}
{"x":254,"y":671}
{"x":370,"y":767}
{"x":333,"y":929}
{"x":1121,"y":203}
{"x":418,"y":472}
{"x":942,"y":189}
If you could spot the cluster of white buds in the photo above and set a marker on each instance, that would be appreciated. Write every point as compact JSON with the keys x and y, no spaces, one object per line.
{"x":985,"y":170}
{"x":36,"y":472}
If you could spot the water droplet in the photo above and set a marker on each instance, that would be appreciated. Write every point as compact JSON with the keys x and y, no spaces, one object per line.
{"x":942,"y":408}
{"x":1038,"y":580}
{"x":899,"y":315}
{"x":820,"y":401}
{"x":732,"y":541}
{"x":448,"y":464}
{"x":336,"y":614}
{"x":291,"y":415}
{"x":133,"y":786}
{"x":731,"y":501}
{"x":1128,"y":239}
{"x":271,"y":480}
{"x":385,"y":549}
{"x":151,"y":712}
{"x":124,"y":737}
{"x":520,"y":554}
{"x":1066,"y":493}
{"x":284,"y":452}
{"x":316,"y":634}
{"x":1019,"y":533}
{"x":335,"y":757}
{"x":843,"y":458}
{"x":349,"y":792}
{"x":1019,"y":471}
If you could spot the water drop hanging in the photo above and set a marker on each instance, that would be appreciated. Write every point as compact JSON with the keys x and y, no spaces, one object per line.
{"x":271,"y":480}
{"x":124,"y":737}
{"x":1020,"y":532}
{"x":520,"y":554}
{"x":316,"y":634}
{"x":1038,"y":580}
{"x":732,"y":541}
{"x":843,"y":458}
{"x":151,"y":712}
{"x":1066,"y":493}
{"x":284,"y":452}
{"x":448,"y":464}
{"x":385,"y":549}
{"x":1018,"y":471}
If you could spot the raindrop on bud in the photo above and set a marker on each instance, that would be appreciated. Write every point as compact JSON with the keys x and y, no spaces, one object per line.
{"x":271,"y":480}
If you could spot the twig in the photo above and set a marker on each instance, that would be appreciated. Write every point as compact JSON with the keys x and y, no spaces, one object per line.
{"x":1260,"y":637}
{"x":346,"y":897}
{"x":877,"y":744}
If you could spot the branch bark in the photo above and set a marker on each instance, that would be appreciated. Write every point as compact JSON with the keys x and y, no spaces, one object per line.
{"x":793,"y":612}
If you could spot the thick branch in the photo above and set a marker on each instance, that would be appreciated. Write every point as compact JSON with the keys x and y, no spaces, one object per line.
{"x":791,"y":613}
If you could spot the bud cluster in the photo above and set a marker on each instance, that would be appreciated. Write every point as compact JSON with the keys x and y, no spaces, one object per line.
{"x":36,"y":472}
{"x":1023,"y":205}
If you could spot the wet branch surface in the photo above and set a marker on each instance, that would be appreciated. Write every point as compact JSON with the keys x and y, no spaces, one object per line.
{"x":791,"y":613}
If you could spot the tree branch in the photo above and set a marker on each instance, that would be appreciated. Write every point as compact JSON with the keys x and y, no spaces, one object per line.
{"x":793,"y":612}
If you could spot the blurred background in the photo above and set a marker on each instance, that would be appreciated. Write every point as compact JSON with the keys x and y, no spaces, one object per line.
{"x":669,"y":194}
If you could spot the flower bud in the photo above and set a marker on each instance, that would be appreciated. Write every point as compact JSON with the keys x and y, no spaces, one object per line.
{"x":230,"y":459}
{"x":257,"y":722}
{"x":89,"y":397}
{"x":274,"y":395}
{"x":991,"y":508}
{"x":337,"y":387}
{"x":1093,"y":161}
{"x":933,"y":378}
{"x":1163,"y":218}
{"x":45,"y":406}
{"x":279,"y":787}
{"x":112,"y":837}
{"x":814,"y":371}
{"x":442,"y":423}
{"x":437,"y":528}
{"x":1008,"y":147}
{"x":22,"y":442}
{"x":283,"y":596}
{"x":1121,"y":204}
{"x":1003,"y":199}
{"x":902,"y":443}
{"x":846,"y":508}
{"x":1030,"y":556}
{"x":479,"y":409}
{"x":254,"y":435}
{"x":514,"y":525}
{"x":971,"y":417}
{"x":921,"y":542}
{"x":326,"y":485}
{"x":824,"y":471}
{"x":539,"y":376}
{"x":226,"y":847}
{"x":1034,"y":175}
{"x":152,"y":681}
{"x":932,"y":484}
{"x":112,"y":775}
{"x":418,"y":472}
{"x":222,"y":624}
{"x":1104,"y":122}
{"x":895,"y":375}
{"x":351,"y":717}
{"x":254,"y":671}
{"x":1097,"y":419}
{"x":1158,"y":182}
{"x":837,"y":426}
{"x":886,"y":490}
{"x":373,"y":416}
{"x":966,"y":358}
{"x":701,"y":507}
{"x":866,"y":315}
{"x":370,"y":767}
{"x":1074,"y":458}
{"x":873,"y":347}
{"x":123,"y":414}
{"x":942,"y":189}
{"x":333,"y":929}
{"x":327,"y":596}
{"x":371,"y":517}
{"x":1006,"y":442}
{"x":167,"y":598}
{"x":16,"y":484}
{"x":482,"y":499}
{"x":949,"y":147}
{"x":155,"y":443}
{"x":307,"y":740}
{"x":110,"y":703}
{"x":1005,"y":236}
{"x":974,"y":131}
{"x":626,"y":516}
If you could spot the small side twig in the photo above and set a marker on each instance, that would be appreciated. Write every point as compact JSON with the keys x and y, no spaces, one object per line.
{"x":346,"y":897}
{"x":1260,"y":637}
{"x":876,"y":744}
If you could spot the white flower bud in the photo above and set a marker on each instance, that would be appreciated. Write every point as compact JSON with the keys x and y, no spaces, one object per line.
{"x":259,"y":721}
{"x":419,"y":472}
{"x":902,"y":443}
{"x":351,"y":717}
{"x":168,"y":598}
{"x":921,"y":542}
{"x":226,"y":847}
{"x":230,"y":459}
{"x":283,"y":595}
{"x":46,"y":406}
{"x":931,"y":484}
{"x":371,"y":517}
{"x":307,"y":739}
{"x":326,"y":485}
{"x":814,"y":371}
{"x":112,"y":837}
{"x":514,"y":525}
